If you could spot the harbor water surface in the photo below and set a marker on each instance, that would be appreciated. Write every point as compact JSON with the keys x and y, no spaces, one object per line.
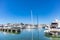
{"x":26,"y":34}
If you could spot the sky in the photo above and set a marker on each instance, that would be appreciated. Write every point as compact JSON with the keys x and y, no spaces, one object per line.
{"x":17,"y":11}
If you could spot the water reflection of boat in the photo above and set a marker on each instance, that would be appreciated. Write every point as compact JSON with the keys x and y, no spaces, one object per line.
{"x":51,"y":37}
{"x":11,"y":32}
{"x":54,"y":29}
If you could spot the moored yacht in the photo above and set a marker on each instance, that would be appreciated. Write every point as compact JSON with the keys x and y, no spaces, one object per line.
{"x":54,"y":28}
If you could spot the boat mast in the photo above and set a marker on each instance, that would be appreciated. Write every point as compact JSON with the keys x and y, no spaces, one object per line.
{"x":37,"y":19}
{"x":32,"y":17}
{"x":38,"y":26}
{"x":32,"y":23}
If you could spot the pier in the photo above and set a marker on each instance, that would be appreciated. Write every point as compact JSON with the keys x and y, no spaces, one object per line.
{"x":10,"y":29}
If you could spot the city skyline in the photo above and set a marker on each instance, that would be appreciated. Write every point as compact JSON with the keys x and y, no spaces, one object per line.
{"x":17,"y":11}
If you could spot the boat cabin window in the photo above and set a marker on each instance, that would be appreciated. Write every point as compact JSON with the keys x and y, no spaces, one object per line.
{"x":54,"y":25}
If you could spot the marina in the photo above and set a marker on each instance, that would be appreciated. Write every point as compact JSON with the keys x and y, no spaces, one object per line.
{"x":29,"y":20}
{"x":30,"y":32}
{"x":26,"y":34}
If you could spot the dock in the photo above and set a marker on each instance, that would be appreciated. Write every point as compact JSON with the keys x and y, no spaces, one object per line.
{"x":10,"y":29}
